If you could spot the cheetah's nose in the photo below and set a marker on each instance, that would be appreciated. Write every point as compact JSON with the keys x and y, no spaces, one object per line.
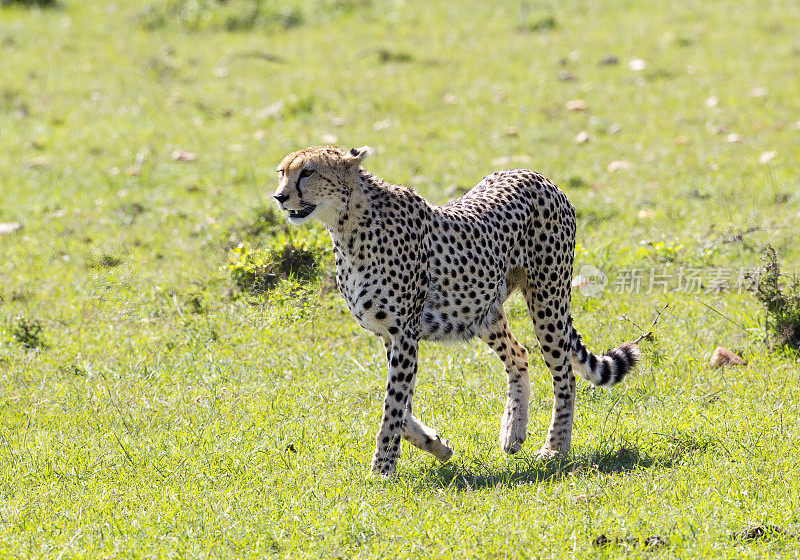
{"x":281,"y":198}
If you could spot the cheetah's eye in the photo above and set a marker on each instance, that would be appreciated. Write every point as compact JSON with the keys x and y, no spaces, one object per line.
{"x":281,"y":173}
{"x":306,"y":173}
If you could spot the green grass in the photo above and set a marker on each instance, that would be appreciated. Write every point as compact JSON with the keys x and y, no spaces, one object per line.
{"x":159,"y":412}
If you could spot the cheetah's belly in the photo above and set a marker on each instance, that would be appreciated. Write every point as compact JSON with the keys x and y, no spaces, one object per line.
{"x":460,"y":315}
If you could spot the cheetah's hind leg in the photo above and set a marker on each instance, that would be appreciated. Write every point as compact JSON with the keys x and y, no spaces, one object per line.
{"x":514,"y":423}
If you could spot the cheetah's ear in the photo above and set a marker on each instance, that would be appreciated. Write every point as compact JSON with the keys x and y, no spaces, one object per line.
{"x":357,"y":155}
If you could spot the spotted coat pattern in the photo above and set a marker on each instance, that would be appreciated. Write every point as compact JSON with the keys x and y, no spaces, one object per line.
{"x":412,"y":271}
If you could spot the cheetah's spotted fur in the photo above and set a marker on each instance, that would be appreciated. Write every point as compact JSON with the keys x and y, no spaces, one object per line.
{"x":411,"y":271}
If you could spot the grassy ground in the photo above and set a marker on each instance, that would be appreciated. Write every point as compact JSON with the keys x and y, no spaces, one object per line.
{"x":161,"y":413}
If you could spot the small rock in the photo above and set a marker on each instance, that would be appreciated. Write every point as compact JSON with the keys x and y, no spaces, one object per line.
{"x":645,"y":213}
{"x":609,"y":60}
{"x":766,"y":157}
{"x":271,"y":110}
{"x":758,"y":92}
{"x":734,"y":138}
{"x":10,"y":227}
{"x":682,"y":141}
{"x":576,"y":105}
{"x":724,"y":357}
{"x":637,"y":65}
{"x":712,"y":101}
{"x":565,"y":76}
{"x":184,"y":155}
{"x":381,"y":125}
{"x":582,"y":137}
{"x":450,"y":99}
{"x":39,"y":161}
{"x":221,"y":72}
{"x":619,"y":164}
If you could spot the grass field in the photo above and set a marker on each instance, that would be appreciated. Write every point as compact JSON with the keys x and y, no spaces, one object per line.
{"x":150,"y":408}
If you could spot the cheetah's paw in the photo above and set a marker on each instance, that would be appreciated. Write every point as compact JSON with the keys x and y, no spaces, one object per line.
{"x":511,"y":440}
{"x":548,"y":453}
{"x":442,"y":450}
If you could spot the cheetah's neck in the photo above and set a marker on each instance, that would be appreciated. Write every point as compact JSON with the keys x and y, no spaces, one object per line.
{"x":356,"y":214}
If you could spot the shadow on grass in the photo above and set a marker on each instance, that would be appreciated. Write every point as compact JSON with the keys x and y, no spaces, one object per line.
{"x":530,"y":470}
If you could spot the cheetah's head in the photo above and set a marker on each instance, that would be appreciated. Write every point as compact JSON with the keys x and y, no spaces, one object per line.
{"x":314,"y":182}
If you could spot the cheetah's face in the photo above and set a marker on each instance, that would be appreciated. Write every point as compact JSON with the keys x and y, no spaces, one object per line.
{"x":313,"y":182}
{"x":299,"y":192}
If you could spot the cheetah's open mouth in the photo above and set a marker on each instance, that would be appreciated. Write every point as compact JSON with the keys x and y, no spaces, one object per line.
{"x":304,"y":211}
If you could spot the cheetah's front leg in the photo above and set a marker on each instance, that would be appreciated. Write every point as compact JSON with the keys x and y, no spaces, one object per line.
{"x":402,"y":374}
{"x":414,"y":431}
{"x":422,"y":437}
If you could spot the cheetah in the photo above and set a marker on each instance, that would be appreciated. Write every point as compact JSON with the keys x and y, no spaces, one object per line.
{"x":412,"y":271}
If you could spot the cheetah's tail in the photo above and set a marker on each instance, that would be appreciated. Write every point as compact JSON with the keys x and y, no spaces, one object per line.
{"x":606,"y":370}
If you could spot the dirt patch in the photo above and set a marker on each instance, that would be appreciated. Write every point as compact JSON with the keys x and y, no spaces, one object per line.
{"x":543,"y":23}
{"x":105,"y":261}
{"x":386,"y":56}
{"x":129,"y":213}
{"x":649,"y":544}
{"x":762,"y":533}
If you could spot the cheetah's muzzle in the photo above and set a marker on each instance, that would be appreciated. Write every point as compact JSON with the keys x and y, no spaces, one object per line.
{"x":303,"y":212}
